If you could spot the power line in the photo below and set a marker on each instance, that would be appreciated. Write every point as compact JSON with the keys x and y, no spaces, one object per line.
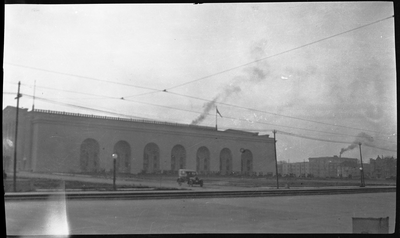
{"x":282,"y":132}
{"x":69,"y":91}
{"x":87,"y":108}
{"x":220,"y":72}
{"x":167,"y":90}
{"x":283,"y":52}
{"x":221,"y":103}
{"x":79,"y":76}
{"x":369,"y":145}
{"x":151,"y":104}
{"x":142,"y":94}
{"x":226,"y":117}
{"x":312,"y":138}
{"x":325,"y":140}
{"x":305,"y":129}
{"x":275,"y":114}
{"x":244,"y":120}
{"x":96,"y":96}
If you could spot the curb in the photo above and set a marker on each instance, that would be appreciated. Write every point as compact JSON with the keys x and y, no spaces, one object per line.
{"x":143,"y":195}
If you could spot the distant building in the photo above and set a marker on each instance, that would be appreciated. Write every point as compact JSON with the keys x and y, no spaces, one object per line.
{"x":367,"y":170}
{"x":348,"y":169}
{"x":280,"y":167}
{"x":54,"y":141}
{"x":286,"y":169}
{"x":296,"y":169}
{"x":383,"y":167}
{"x":327,"y":167}
{"x":300,"y":169}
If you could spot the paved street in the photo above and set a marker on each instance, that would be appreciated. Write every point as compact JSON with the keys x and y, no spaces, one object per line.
{"x":298,"y":214}
{"x":161,"y":182}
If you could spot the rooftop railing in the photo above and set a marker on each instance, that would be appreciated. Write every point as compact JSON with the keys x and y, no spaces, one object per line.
{"x":121,"y":119}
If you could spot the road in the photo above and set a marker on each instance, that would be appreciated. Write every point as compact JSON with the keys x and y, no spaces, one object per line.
{"x":211,"y":184}
{"x":298,"y":214}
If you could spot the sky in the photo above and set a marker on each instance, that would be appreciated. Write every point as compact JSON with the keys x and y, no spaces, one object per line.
{"x":323,"y":75}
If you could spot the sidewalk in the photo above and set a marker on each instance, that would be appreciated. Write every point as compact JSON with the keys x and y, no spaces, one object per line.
{"x":90,"y":179}
{"x":163,"y":182}
{"x":134,"y":182}
{"x":137,"y":182}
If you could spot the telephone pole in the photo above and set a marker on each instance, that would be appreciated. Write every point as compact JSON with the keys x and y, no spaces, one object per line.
{"x":276,"y":162}
{"x":361,"y":168}
{"x":15,"y":141}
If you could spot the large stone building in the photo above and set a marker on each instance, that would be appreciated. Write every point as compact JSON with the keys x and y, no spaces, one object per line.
{"x":52,"y":141}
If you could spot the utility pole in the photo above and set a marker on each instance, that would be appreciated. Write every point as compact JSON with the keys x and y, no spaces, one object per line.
{"x":114,"y":156}
{"x":276,"y":162}
{"x":15,"y":140}
{"x":361,"y":169}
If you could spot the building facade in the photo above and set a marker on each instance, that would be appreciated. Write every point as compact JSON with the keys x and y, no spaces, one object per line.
{"x":348,"y":169}
{"x":297,"y":169}
{"x":52,"y":141}
{"x":327,"y":167}
{"x":383,"y":167}
{"x":280,"y":167}
{"x":300,"y":169}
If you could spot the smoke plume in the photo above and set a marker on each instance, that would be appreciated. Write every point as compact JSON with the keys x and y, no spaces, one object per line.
{"x":227,"y":91}
{"x":362,"y":138}
{"x":254,"y":74}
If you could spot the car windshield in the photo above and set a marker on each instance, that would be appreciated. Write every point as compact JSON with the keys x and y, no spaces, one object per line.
{"x":199,"y":118}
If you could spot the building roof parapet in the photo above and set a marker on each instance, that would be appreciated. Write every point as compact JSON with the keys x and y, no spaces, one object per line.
{"x":230,"y":131}
{"x":120,"y":119}
{"x":241,"y":132}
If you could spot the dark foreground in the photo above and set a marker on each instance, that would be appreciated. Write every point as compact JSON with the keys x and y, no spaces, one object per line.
{"x":298,"y":214}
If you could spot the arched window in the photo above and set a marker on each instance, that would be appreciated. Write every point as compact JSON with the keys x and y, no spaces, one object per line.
{"x":247,"y":162}
{"x":203,"y":160}
{"x":89,"y":155}
{"x":225,"y":161}
{"x":151,"y":158}
{"x":123,"y":150}
{"x":178,"y":158}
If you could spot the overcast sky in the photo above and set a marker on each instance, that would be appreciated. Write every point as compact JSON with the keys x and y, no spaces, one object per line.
{"x":318,"y":73}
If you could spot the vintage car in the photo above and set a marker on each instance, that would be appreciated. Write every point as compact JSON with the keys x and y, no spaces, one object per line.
{"x":189,"y":176}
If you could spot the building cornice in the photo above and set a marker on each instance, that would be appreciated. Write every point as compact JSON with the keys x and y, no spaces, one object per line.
{"x":124,"y":124}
